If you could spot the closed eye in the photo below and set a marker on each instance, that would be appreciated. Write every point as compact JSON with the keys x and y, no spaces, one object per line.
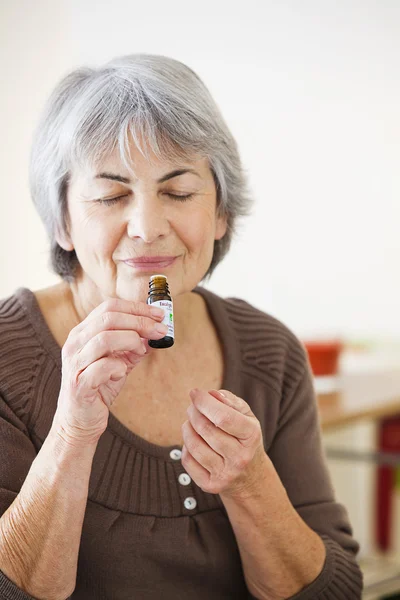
{"x":110,"y":201}
{"x":180,"y":197}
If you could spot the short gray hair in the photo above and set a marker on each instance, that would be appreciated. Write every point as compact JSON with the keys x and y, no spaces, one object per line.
{"x":167,"y":110}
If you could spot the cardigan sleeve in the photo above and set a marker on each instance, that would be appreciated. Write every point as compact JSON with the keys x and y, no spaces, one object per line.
{"x":17,"y":453}
{"x":298,"y":456}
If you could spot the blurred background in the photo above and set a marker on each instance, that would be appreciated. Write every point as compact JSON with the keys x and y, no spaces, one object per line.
{"x":311,"y":91}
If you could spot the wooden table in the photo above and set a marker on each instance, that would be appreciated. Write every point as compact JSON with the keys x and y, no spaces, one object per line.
{"x":361,"y":396}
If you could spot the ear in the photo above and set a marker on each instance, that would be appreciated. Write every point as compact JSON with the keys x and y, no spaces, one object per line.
{"x":63,"y":239}
{"x":221,"y":227}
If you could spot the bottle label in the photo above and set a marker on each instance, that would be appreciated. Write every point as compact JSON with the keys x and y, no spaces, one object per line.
{"x":168,"y":314}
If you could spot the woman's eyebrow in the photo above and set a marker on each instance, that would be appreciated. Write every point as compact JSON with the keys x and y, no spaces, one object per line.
{"x":113,"y":177}
{"x":176,"y":173}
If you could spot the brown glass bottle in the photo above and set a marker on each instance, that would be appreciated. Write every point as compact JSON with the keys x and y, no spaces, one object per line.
{"x":159,"y":296}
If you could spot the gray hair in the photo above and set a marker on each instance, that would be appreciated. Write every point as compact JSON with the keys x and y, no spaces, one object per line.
{"x":166,"y":109}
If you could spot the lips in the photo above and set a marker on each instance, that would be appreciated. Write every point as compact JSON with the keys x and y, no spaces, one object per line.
{"x":150,"y":262}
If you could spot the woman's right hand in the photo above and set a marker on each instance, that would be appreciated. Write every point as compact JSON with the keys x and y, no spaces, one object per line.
{"x":97,"y":357}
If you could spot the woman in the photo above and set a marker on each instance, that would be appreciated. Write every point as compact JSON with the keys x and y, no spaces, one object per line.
{"x":132,"y":472}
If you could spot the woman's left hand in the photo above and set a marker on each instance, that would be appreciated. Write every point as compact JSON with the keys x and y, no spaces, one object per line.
{"x":223,"y":448}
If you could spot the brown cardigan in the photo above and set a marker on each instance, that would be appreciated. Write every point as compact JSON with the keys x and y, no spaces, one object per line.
{"x":140,"y":540}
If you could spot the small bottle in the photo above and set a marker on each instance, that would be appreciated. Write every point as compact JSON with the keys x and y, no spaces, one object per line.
{"x":159,"y":296}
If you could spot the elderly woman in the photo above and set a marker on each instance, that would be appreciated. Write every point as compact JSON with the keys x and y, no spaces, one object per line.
{"x":129,"y":472}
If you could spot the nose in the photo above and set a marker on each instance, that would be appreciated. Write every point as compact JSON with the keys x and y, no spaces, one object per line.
{"x":147,"y":218}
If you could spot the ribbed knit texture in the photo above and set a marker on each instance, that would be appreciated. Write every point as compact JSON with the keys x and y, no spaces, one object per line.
{"x":138,"y":539}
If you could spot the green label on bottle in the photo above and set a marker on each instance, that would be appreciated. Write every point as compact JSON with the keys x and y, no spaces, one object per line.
{"x":168,"y":320}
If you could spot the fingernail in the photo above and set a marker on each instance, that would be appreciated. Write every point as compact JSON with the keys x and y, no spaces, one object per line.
{"x":217,"y":392}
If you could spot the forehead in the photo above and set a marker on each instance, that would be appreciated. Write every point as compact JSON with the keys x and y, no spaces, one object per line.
{"x":137,"y":165}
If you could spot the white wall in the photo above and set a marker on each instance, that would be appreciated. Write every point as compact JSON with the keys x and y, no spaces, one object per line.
{"x":311,"y":91}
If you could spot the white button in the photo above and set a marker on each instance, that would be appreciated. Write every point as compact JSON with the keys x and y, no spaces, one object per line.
{"x":184,"y":479}
{"x":175,"y":454}
{"x":190,"y":503}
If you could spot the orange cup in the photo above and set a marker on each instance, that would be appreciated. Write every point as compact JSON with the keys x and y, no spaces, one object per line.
{"x":324,"y":356}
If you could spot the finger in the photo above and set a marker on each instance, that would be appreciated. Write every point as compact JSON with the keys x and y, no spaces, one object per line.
{"x":201,"y":451}
{"x":226,"y":445}
{"x":129,"y":358}
{"x":225,"y":417}
{"x":230,"y":399}
{"x":140,"y":309}
{"x":112,"y":321}
{"x":107,"y":343}
{"x":199,"y":474}
{"x":148,"y":348}
{"x":102,"y":371}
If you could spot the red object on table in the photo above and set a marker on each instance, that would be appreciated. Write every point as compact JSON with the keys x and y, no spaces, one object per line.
{"x":324,"y":356}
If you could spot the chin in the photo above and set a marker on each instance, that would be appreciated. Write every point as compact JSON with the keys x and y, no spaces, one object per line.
{"x":135,"y":290}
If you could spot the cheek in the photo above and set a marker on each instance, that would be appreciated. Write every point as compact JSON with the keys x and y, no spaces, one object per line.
{"x":96,"y":231}
{"x":198,"y":228}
